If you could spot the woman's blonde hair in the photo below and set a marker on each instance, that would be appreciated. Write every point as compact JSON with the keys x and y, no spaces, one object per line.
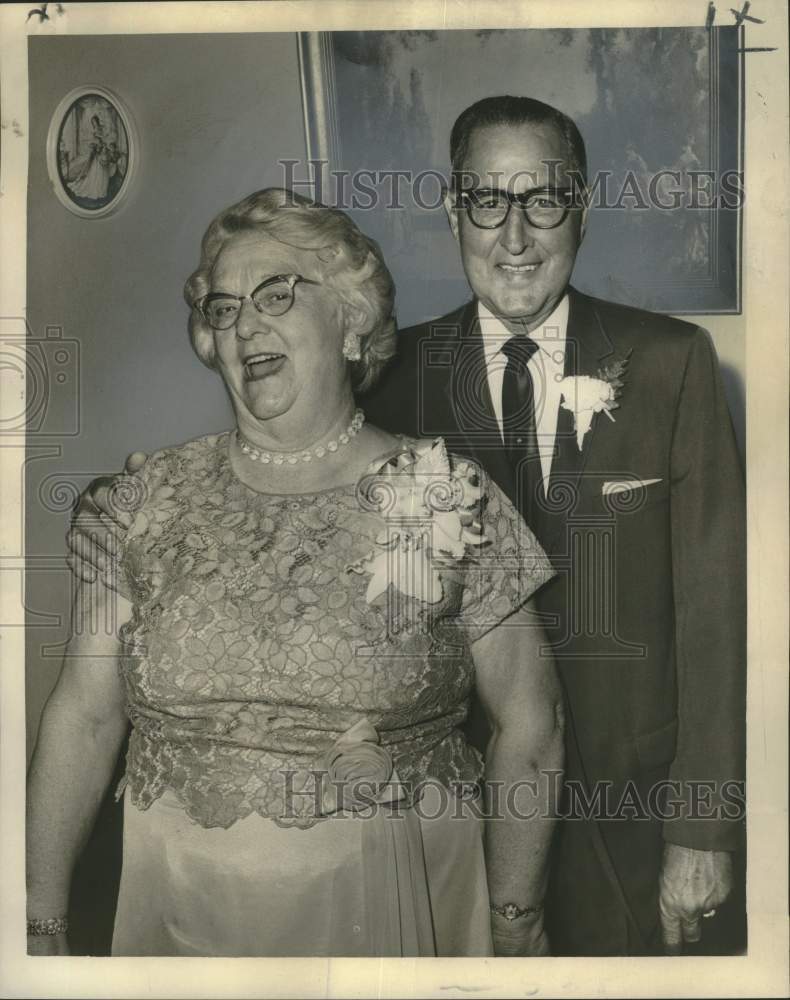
{"x":349,"y":262}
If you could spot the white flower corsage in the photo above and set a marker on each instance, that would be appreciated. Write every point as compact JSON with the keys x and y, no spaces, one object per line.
{"x":585,"y":395}
{"x":431,"y":515}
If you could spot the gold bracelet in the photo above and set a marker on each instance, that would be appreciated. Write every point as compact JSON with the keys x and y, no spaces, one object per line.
{"x":53,"y":925}
{"x":511,"y":911}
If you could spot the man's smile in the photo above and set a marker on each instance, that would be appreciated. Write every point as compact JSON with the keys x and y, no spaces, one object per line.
{"x":518,"y":269}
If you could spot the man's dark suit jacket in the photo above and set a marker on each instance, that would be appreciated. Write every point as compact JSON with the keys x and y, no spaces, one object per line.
{"x":646,"y":615}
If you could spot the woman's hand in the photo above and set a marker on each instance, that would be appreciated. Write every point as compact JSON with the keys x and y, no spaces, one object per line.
{"x":47,"y":944}
{"x":522,"y":938}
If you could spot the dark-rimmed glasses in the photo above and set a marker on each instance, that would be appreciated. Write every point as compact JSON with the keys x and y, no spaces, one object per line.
{"x":544,"y":208}
{"x":273,"y":297}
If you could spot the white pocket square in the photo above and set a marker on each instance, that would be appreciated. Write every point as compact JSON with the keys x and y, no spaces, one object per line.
{"x":624,"y":485}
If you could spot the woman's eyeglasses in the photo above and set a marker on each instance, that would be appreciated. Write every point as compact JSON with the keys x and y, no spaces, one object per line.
{"x":273,"y":297}
{"x":488,"y":208}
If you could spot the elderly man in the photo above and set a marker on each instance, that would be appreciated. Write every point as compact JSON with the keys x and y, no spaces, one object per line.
{"x":642,"y":516}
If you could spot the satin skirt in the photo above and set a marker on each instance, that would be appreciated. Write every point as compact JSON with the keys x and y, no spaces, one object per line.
{"x":410,"y":884}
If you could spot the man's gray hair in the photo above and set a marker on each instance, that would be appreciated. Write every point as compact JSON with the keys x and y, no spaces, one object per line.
{"x":514,"y":111}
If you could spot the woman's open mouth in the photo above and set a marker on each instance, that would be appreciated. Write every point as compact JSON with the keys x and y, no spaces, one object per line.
{"x":258,"y":366}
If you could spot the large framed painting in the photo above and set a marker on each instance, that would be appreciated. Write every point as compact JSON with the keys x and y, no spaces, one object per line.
{"x":660,"y":110}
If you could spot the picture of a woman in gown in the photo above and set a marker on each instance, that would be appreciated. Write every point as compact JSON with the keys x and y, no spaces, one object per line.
{"x":92,"y":176}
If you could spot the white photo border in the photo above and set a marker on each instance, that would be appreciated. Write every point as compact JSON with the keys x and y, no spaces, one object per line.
{"x":764,"y":971}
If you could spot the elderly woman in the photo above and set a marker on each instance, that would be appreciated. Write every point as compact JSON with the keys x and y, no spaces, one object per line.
{"x":308,"y":603}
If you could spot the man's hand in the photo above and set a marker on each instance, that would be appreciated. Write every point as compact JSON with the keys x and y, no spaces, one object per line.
{"x":692,"y":883}
{"x":99,"y":522}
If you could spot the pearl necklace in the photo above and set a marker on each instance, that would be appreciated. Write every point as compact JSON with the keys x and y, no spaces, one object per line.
{"x":294,"y":457}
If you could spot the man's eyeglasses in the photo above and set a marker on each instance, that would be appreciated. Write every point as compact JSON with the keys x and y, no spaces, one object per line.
{"x":274,"y":297}
{"x":544,"y":208}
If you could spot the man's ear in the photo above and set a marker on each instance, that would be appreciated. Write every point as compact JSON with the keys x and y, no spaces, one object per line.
{"x":583,"y":224}
{"x":452,"y":213}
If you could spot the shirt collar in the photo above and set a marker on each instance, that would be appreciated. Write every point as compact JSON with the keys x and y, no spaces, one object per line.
{"x":549,"y":336}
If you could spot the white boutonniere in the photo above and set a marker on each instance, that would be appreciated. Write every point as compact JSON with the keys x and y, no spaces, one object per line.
{"x":432,"y":516}
{"x":585,"y":395}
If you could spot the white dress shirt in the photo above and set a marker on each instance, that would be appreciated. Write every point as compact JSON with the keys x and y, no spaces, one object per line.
{"x":546,"y":366}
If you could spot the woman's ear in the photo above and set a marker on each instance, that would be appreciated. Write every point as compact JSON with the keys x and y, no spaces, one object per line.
{"x":356,"y":319}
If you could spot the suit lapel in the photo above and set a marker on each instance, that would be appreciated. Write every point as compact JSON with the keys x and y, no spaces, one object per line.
{"x":587,"y":344}
{"x":470,"y":403}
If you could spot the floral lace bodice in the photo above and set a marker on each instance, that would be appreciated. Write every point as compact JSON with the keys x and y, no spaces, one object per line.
{"x":252,"y":647}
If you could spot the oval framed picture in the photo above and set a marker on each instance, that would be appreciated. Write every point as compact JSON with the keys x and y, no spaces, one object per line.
{"x":91,"y":152}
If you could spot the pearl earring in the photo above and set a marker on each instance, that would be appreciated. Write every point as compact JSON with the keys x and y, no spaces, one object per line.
{"x":351,"y":347}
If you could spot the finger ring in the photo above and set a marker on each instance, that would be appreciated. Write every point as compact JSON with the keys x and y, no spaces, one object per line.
{"x":708,"y":914}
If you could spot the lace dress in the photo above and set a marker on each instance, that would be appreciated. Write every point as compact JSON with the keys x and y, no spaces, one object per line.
{"x":262,"y":672}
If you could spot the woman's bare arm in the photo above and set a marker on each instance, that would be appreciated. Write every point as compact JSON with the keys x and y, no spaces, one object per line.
{"x":82,"y":728}
{"x":520,"y":693}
